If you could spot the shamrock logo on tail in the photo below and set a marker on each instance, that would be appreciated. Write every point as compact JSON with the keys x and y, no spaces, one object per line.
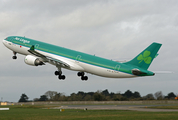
{"x":146,"y":57}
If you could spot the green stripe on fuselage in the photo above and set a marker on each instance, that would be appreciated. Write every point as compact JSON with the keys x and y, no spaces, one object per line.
{"x":71,"y":54}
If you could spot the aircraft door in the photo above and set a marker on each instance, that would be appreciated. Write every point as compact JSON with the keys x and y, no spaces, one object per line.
{"x":37,"y":46}
{"x":117,"y":67}
{"x":78,"y":58}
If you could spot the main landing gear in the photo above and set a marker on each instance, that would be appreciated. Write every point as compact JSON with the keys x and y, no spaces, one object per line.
{"x":59,"y":74}
{"x":82,"y":76}
{"x":14,"y":57}
{"x":62,"y":77}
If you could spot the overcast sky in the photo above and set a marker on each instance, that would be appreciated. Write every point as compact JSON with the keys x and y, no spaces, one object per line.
{"x":113,"y":29}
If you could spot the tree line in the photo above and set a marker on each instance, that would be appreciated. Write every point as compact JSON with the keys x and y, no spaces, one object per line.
{"x":98,"y":96}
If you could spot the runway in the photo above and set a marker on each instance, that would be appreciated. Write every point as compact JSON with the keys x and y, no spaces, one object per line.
{"x":118,"y":107}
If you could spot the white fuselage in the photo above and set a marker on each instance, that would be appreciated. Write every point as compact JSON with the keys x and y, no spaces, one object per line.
{"x":74,"y":64}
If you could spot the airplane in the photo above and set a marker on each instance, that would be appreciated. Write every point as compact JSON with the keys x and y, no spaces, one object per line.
{"x":39,"y":53}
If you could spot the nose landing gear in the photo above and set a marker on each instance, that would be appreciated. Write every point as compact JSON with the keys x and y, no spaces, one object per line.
{"x":14,"y":57}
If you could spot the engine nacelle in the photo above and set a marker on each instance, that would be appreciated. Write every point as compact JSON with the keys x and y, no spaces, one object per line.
{"x":31,"y":60}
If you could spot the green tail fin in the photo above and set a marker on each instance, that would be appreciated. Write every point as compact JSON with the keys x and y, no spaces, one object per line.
{"x":145,"y":58}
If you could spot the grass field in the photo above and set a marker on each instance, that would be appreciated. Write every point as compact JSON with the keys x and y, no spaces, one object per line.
{"x":165,"y":107}
{"x":42,"y":112}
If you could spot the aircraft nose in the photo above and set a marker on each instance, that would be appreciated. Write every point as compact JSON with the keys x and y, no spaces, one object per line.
{"x":4,"y":41}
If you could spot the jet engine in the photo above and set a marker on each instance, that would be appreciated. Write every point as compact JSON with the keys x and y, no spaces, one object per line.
{"x":31,"y":60}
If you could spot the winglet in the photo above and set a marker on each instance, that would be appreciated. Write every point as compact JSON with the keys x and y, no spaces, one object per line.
{"x":32,"y":47}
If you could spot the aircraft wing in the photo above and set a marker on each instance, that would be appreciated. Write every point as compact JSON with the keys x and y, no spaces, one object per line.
{"x":47,"y":58}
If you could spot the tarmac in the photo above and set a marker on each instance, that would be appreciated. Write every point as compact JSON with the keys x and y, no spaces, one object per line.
{"x":144,"y":108}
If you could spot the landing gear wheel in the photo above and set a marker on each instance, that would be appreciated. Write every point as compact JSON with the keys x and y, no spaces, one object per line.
{"x":56,"y":73}
{"x":14,"y":57}
{"x":84,"y":78}
{"x":61,"y":77}
{"x":80,"y":73}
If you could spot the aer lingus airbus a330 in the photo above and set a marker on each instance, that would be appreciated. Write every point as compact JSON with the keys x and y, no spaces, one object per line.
{"x":38,"y":53}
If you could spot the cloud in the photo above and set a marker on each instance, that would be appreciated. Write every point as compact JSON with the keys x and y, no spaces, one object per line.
{"x":114,"y":29}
